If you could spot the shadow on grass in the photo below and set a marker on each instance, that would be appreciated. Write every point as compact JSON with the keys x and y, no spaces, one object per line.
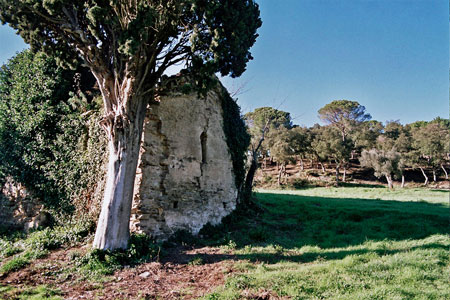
{"x":306,"y":257}
{"x":293,"y":221}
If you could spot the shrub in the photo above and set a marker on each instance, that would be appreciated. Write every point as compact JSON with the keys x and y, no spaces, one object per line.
{"x":50,"y":140}
{"x":99,"y":262}
{"x":299,"y":183}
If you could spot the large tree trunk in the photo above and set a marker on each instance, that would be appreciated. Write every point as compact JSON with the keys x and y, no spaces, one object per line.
{"x":403,"y":181}
{"x":434,"y":175}
{"x":445,"y":171}
{"x":389,"y":181}
{"x":424,"y":175}
{"x":124,"y":133}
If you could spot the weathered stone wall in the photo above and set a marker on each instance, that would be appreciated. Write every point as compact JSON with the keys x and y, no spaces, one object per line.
{"x":18,"y":209}
{"x":184,"y":178}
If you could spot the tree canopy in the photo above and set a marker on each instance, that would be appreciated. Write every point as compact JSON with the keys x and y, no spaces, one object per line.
{"x":384,"y":163}
{"x":117,"y":37}
{"x":128,"y":45}
{"x":343,"y":114}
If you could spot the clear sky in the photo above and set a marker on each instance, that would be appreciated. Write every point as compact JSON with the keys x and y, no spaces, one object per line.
{"x":392,"y":56}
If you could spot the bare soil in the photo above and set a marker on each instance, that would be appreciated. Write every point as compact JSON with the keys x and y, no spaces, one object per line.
{"x":183,"y":273}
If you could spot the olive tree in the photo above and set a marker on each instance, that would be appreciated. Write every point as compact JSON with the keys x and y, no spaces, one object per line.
{"x":384,"y":163}
{"x":397,"y":138}
{"x":128,"y":46}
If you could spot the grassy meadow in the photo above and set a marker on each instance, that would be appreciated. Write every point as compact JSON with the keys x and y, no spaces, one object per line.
{"x":351,"y":242}
{"x":341,"y":243}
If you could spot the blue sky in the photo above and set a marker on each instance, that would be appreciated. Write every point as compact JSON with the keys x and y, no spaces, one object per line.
{"x":392,"y":56}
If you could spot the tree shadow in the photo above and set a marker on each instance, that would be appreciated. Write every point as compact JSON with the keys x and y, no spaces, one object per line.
{"x":293,"y":221}
{"x":290,"y":222}
{"x":290,"y":256}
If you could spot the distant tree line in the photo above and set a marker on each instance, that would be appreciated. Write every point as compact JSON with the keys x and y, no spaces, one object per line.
{"x":349,"y":133}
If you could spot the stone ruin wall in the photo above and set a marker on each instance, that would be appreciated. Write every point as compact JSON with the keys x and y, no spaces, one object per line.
{"x":184,"y":178}
{"x":185,"y":173}
{"x":19,"y":209}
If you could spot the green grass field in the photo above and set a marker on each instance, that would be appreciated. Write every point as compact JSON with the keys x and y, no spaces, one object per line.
{"x":341,"y":243}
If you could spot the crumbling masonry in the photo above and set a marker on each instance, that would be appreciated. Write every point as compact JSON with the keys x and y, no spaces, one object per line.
{"x":185,"y":173}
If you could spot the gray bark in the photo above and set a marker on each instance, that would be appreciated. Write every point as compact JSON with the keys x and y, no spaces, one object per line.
{"x":323,"y":168}
{"x":445,"y":171}
{"x":424,"y":175}
{"x":124,"y":144}
{"x":389,"y":180}
{"x":434,"y":175}
{"x":279,"y":176}
{"x":403,"y":181}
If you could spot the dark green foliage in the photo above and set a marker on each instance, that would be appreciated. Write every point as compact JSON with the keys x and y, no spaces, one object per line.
{"x":236,"y":136}
{"x":211,"y":36}
{"x":128,"y":46}
{"x":99,"y":262}
{"x":259,"y":234}
{"x":344,"y":115}
{"x":366,"y":133}
{"x":34,"y":96}
{"x":260,"y":117}
{"x":300,"y":183}
{"x":328,"y":143}
{"x":49,"y":239}
{"x":262,"y":121}
{"x":49,"y":139}
{"x":431,"y":144}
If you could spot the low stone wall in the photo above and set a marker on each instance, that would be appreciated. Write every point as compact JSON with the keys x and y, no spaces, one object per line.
{"x":18,"y":209}
{"x":185,"y":174}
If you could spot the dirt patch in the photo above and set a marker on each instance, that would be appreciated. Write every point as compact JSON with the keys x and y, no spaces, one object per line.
{"x":183,"y":273}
